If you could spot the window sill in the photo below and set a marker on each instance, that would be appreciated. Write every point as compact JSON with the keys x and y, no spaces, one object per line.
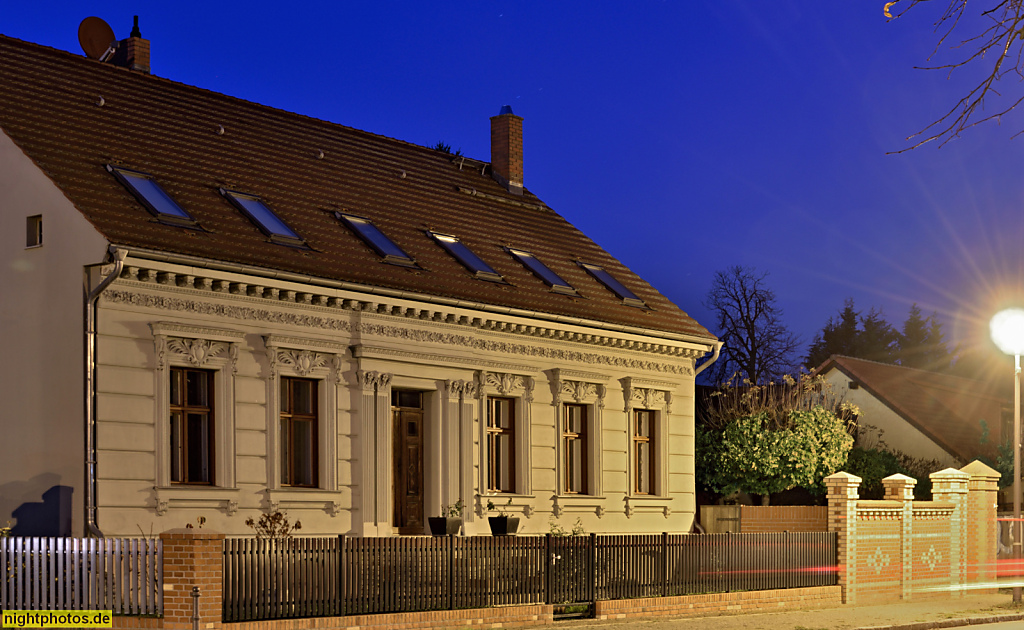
{"x":520,"y":502}
{"x":581,"y":503}
{"x":197,"y":496}
{"x":306,"y":498}
{"x":648,"y":504}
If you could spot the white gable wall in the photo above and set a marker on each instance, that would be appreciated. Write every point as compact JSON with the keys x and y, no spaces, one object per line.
{"x":897,"y":433}
{"x":41,"y":333}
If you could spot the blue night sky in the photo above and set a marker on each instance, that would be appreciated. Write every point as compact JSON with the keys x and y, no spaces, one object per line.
{"x":683,"y":137}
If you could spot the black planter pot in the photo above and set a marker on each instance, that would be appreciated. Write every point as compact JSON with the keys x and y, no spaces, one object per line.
{"x":503,"y":525}
{"x":444,"y":526}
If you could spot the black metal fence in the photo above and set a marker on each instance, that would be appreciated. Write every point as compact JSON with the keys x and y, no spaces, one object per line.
{"x":313,"y":577}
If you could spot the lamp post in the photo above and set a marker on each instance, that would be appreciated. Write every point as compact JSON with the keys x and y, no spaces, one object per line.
{"x":1007,"y":328}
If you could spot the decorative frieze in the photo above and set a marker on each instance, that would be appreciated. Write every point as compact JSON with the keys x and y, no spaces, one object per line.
{"x":307,"y":320}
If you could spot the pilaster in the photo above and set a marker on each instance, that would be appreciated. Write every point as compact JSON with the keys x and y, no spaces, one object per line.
{"x":901,"y":488}
{"x":982,"y":527}
{"x":192,"y":557}
{"x":950,"y":486}
{"x":842,"y":519}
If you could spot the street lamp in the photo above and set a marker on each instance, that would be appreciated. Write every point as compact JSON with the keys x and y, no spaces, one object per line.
{"x":1007,"y":328}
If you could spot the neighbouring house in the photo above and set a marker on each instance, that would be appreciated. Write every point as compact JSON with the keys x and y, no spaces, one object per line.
{"x":213,"y":308}
{"x":924,"y":414}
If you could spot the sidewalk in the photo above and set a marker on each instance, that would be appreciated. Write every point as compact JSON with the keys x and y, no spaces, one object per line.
{"x":972,"y":609}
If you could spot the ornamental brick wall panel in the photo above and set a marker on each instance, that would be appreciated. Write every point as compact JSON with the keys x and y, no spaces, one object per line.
{"x":901,"y":549}
{"x":879,"y":564}
{"x":932,"y":568}
{"x":783,"y":518}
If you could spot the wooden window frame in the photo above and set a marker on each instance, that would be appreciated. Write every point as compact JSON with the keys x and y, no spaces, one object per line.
{"x":492,"y":433}
{"x":581,"y":440}
{"x":287,"y":417}
{"x":184,"y":409}
{"x":652,"y":446}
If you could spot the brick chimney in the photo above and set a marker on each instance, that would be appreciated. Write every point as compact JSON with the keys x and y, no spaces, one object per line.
{"x":507,"y":150}
{"x":133,"y":53}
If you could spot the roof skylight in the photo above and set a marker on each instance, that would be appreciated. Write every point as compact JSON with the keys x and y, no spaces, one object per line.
{"x":264,"y":218}
{"x":614,"y":285}
{"x":152,"y":196}
{"x":465,"y":255}
{"x":541,"y":271}
{"x":376,"y":239}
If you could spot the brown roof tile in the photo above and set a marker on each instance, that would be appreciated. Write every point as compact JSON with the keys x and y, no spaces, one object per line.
{"x":169,"y":130}
{"x":948,"y":409}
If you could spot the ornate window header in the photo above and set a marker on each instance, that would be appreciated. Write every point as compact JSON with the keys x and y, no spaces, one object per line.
{"x":195,"y":345}
{"x":647,"y":394}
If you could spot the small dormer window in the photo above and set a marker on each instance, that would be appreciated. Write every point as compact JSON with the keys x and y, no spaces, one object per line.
{"x":616,"y":287}
{"x":372,"y":236}
{"x":465,"y":255}
{"x":542,"y":271}
{"x":264,"y":218}
{"x":152,"y":197}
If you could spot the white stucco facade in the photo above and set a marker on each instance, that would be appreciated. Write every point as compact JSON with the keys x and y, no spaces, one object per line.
{"x":250,"y":331}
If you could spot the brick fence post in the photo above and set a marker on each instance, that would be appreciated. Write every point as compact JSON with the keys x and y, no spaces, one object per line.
{"x":982,"y":527}
{"x":192,"y":557}
{"x":842,"y":519}
{"x":950,"y":486}
{"x":901,"y":488}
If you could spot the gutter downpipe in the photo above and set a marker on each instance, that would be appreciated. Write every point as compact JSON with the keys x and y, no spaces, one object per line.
{"x":118,"y":255}
{"x":707,"y":364}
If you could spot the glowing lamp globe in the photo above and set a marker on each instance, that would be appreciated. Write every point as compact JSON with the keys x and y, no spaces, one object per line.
{"x":1007,"y":329}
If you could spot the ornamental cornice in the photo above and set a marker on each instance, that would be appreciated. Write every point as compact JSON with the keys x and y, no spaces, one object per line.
{"x":193,"y":331}
{"x":318,"y":318}
{"x":303,"y":343}
{"x":428,"y":358}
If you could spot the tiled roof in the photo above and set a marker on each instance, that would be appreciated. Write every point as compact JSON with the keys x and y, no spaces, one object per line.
{"x":49,"y":108}
{"x":948,"y":409}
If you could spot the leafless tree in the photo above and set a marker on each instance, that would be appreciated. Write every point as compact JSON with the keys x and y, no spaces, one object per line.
{"x":757,"y":345}
{"x":985,"y":34}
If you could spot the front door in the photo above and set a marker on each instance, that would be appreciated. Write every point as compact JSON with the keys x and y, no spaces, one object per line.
{"x":407,"y":411}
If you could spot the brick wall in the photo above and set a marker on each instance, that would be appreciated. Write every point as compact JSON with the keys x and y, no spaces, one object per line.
{"x":783,"y":518}
{"x":720,"y":603}
{"x":899,"y":548}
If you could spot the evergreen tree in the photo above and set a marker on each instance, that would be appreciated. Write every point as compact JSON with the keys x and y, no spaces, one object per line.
{"x":839,"y":336}
{"x":852,"y":335}
{"x":877,"y":340}
{"x":921,"y":343}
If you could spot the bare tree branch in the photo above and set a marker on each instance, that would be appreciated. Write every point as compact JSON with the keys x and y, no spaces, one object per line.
{"x":757,"y":346}
{"x":1003,"y":37}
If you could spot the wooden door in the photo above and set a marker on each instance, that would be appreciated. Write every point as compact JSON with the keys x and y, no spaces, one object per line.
{"x":408,"y":460}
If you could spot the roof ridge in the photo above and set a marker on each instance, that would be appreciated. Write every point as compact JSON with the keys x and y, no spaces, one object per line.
{"x":181,"y":84}
{"x":836,"y":357}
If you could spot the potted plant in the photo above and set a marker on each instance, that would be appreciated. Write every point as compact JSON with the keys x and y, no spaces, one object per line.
{"x":450,"y":521}
{"x":502,"y":524}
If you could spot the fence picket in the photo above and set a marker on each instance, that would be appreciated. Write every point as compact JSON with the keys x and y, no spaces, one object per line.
{"x":311,"y":577}
{"x":48,"y":573}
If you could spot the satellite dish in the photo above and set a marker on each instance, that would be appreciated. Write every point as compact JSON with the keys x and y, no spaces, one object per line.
{"x":95,"y":37}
